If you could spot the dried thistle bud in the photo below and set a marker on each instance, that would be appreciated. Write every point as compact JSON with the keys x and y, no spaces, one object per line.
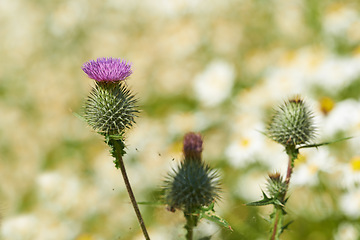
{"x":193,"y":147}
{"x":292,"y":124}
{"x":276,"y":186}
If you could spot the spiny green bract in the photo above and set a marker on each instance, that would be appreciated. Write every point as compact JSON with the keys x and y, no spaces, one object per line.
{"x":110,"y":108}
{"x":192,"y":186}
{"x":292,"y":124}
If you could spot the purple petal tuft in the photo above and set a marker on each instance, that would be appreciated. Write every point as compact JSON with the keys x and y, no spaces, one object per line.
{"x":107,"y":69}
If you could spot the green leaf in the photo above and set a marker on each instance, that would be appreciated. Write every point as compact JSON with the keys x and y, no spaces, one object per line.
{"x":324,"y":143}
{"x":209,"y":214}
{"x":265,"y":201}
{"x":117,"y":148}
{"x":115,"y":137}
{"x":286,"y":226}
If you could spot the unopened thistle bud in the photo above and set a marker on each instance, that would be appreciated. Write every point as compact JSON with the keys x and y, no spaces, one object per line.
{"x":111,"y":107}
{"x":276,"y":186}
{"x":292,"y":124}
{"x":193,"y":184}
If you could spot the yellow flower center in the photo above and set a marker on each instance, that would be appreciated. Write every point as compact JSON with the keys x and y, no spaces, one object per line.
{"x":355,"y":163}
{"x":301,"y":159}
{"x":313,"y":168}
{"x":84,"y":237}
{"x":244,"y":142}
{"x":326,"y":104}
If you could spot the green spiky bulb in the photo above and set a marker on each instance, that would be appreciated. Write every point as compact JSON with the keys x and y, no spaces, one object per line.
{"x":193,"y":184}
{"x":110,"y":108}
{"x":292,"y":124}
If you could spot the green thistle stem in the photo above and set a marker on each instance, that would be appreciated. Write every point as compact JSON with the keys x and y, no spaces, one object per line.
{"x":191,"y":222}
{"x":118,"y":147}
{"x":279,"y":211}
{"x":277,"y":223}
{"x":293,"y":153}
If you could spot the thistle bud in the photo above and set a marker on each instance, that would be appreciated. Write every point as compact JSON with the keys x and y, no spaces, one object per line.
{"x":276,"y":186}
{"x":292,"y":124}
{"x":193,"y":184}
{"x":110,"y":108}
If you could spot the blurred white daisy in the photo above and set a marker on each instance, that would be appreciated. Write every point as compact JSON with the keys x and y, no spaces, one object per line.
{"x":345,"y":116}
{"x":245,"y":148}
{"x":350,"y":203}
{"x":347,"y":231}
{"x":214,"y":85}
{"x":292,"y":74}
{"x":173,"y":8}
{"x":297,"y":72}
{"x":350,"y":173}
{"x":21,"y":227}
{"x":309,"y":164}
{"x":338,"y":18}
{"x":58,"y":192}
{"x":250,"y":185}
{"x":335,"y":73}
{"x":39,"y":227}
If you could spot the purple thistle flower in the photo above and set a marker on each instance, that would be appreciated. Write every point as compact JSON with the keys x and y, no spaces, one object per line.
{"x":107,"y":69}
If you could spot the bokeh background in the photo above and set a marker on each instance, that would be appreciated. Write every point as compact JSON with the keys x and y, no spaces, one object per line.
{"x":215,"y":67}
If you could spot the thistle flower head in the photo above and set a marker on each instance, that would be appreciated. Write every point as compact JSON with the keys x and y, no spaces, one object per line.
{"x":292,"y":124}
{"x":110,"y":108}
{"x":193,"y":184}
{"x":107,"y":69}
{"x":192,"y":147}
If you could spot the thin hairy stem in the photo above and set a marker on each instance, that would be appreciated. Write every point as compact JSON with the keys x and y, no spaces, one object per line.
{"x":121,"y":165}
{"x":288,"y":174}
{"x":277,"y":224}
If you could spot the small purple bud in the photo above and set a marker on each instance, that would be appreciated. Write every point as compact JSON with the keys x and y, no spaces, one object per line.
{"x":193,"y":146}
{"x":107,"y":69}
